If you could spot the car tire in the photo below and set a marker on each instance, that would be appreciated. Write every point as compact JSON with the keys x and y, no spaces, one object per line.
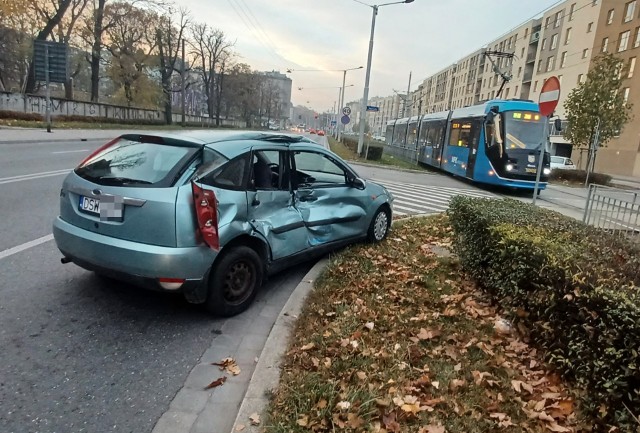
{"x":234,"y":282}
{"x":379,"y":227}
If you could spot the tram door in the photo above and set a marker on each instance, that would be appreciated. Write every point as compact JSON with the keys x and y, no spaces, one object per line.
{"x":474,"y":140}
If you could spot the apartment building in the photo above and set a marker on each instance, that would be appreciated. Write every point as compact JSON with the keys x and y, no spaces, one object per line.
{"x":567,"y":36}
{"x":467,"y":80}
{"x":617,"y":30}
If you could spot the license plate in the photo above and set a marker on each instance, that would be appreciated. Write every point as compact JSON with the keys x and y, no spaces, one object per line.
{"x":91,"y":205}
{"x":530,"y":170}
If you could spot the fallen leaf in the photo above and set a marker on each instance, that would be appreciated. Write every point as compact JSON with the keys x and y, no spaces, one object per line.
{"x":427,"y":335}
{"x":390,"y":422}
{"x":343,"y":405}
{"x":322,"y":404}
{"x":499,"y":415}
{"x":303,"y":421}
{"x":254,"y":418}
{"x":456,"y":383}
{"x":354,"y":421}
{"x":432,"y":428}
{"x":240,"y":427}
{"x":228,"y":364}
{"x":557,"y":428}
{"x":435,"y":384}
{"x":219,"y":381}
{"x":308,"y":347}
{"x":361,"y":375}
{"x":369,"y":326}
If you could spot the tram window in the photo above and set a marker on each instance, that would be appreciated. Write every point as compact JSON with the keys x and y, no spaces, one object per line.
{"x":412,"y":134}
{"x":460,"y":133}
{"x":422,"y":137}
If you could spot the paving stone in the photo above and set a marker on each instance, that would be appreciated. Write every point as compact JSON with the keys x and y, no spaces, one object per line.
{"x":216,"y":418}
{"x":202,"y":375}
{"x":175,"y":422}
{"x":190,"y":400}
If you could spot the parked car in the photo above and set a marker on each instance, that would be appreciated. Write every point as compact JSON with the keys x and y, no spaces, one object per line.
{"x":211,"y":213}
{"x":312,"y":131}
{"x":562,"y":162}
{"x":320,"y":132}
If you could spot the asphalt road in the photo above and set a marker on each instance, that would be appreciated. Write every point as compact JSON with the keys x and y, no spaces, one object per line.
{"x":80,"y":353}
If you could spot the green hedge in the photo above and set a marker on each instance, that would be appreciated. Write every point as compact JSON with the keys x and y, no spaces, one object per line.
{"x":579,"y":176}
{"x":575,"y":287}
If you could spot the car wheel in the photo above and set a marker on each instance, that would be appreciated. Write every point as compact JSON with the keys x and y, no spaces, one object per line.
{"x":379,"y":226}
{"x":234,"y":282}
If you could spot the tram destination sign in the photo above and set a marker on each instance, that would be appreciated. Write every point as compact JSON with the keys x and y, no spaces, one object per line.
{"x":57,"y":61}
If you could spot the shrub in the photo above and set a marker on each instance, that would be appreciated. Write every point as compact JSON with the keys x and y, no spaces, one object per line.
{"x":576,"y":288}
{"x":579,"y":176}
{"x":15,"y":115}
{"x":374,"y":153}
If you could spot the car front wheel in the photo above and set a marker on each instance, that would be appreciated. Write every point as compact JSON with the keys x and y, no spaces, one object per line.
{"x":234,"y":282}
{"x":379,"y":226}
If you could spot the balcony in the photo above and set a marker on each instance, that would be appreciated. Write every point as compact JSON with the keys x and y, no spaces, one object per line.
{"x":527,"y":76}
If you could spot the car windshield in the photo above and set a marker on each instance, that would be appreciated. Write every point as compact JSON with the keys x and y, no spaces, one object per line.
{"x":135,"y":163}
{"x":523,"y":129}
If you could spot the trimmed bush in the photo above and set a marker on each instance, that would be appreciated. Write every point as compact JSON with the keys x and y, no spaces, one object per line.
{"x":375,"y":153}
{"x":579,"y":176}
{"x":5,"y":114}
{"x":576,"y":288}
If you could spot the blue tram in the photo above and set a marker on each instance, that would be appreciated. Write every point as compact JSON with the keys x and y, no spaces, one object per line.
{"x":497,"y":142}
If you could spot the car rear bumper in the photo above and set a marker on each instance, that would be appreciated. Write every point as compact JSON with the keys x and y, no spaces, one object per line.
{"x":141,"y":264}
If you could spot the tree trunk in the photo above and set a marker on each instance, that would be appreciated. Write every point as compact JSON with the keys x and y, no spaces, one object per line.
{"x":219,"y":96}
{"x":96,"y":51}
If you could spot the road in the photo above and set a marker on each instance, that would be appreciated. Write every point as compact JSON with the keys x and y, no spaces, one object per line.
{"x":80,"y":353}
{"x":84,"y":354}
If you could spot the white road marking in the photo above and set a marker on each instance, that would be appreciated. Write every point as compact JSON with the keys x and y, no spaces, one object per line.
{"x":25,"y":246}
{"x":31,"y":176}
{"x":72,"y":151}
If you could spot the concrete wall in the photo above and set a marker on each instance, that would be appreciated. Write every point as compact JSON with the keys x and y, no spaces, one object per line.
{"x":63,"y":107}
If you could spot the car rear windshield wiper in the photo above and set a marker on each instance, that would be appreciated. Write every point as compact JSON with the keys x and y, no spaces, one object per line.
{"x":121,"y":181}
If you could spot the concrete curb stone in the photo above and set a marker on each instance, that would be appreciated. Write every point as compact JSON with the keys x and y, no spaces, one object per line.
{"x":266,"y":375}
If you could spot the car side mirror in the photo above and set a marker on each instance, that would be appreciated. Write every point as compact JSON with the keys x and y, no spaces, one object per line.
{"x":358,"y":183}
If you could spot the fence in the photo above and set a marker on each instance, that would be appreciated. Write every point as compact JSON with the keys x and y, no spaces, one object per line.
{"x":62,"y":107}
{"x":613,"y":209}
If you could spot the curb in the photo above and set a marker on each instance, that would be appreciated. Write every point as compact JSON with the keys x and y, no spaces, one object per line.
{"x":266,"y":375}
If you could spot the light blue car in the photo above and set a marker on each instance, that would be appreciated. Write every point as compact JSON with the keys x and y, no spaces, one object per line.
{"x":212,"y":213}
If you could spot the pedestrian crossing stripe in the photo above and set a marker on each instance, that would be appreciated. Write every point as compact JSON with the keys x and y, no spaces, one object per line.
{"x":411,"y":199}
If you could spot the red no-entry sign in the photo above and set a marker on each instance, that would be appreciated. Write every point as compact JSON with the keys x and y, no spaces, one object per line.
{"x":549,"y":96}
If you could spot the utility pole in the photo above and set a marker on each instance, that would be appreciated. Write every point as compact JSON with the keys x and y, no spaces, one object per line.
{"x":406,"y":98}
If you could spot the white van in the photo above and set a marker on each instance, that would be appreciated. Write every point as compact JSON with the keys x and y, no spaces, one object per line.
{"x":562,"y":162}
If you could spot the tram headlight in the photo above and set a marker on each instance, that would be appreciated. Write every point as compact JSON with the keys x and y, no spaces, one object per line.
{"x":509,"y":167}
{"x":547,"y":171}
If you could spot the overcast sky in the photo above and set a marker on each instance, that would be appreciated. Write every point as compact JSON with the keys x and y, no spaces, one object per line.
{"x":422,"y":37}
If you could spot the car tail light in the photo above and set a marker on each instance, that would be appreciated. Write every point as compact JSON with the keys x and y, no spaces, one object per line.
{"x":171,"y":283}
{"x":98,"y":150}
{"x":207,"y":214}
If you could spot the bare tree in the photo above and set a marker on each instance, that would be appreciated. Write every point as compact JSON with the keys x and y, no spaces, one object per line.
{"x":209,"y":48}
{"x":170,"y":33}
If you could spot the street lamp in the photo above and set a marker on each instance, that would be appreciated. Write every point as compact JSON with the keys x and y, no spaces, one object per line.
{"x":365,"y":97}
{"x":344,"y":77}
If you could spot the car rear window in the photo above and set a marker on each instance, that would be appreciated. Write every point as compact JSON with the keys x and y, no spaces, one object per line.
{"x":556,"y":160}
{"x":135,"y":163}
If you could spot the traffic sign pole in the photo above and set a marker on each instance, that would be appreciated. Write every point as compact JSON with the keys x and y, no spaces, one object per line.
{"x":48,"y":98}
{"x":547,"y":102}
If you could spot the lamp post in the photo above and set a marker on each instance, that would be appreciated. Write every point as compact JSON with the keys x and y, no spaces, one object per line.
{"x":344,"y":77}
{"x":365,"y":96}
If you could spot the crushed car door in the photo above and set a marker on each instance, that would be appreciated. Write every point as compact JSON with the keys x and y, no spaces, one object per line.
{"x":270,"y":204}
{"x":331,"y":207}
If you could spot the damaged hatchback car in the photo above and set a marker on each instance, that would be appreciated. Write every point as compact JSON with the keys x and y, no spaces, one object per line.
{"x":212,"y":214}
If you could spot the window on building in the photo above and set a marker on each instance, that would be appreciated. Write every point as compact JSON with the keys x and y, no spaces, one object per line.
{"x":589,"y":27}
{"x":567,"y":36}
{"x":506,"y":95}
{"x":539,"y":65}
{"x":625,"y":94}
{"x":623,"y":40}
{"x":585,"y":53}
{"x":571,"y":9}
{"x":580,"y":78}
{"x":544,"y":44}
{"x":516,"y":92}
{"x":550,"y":60}
{"x":554,"y":42}
{"x":535,"y":86}
{"x":526,"y":32}
{"x":546,"y":22}
{"x":632,"y":66}
{"x":560,"y":79}
{"x":522,"y":53}
{"x":519,"y":72}
{"x":563,"y":59}
{"x":605,"y":43}
{"x":594,"y":3}
{"x":636,"y":40}
{"x":629,"y":10}
{"x":558,"y":19}
{"x":610,"y":16}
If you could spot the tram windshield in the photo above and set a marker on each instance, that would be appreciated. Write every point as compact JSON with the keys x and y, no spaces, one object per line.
{"x":523,"y":130}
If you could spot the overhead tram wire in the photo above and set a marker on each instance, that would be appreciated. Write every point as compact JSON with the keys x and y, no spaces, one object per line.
{"x":272,"y":44}
{"x":253,"y":29}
